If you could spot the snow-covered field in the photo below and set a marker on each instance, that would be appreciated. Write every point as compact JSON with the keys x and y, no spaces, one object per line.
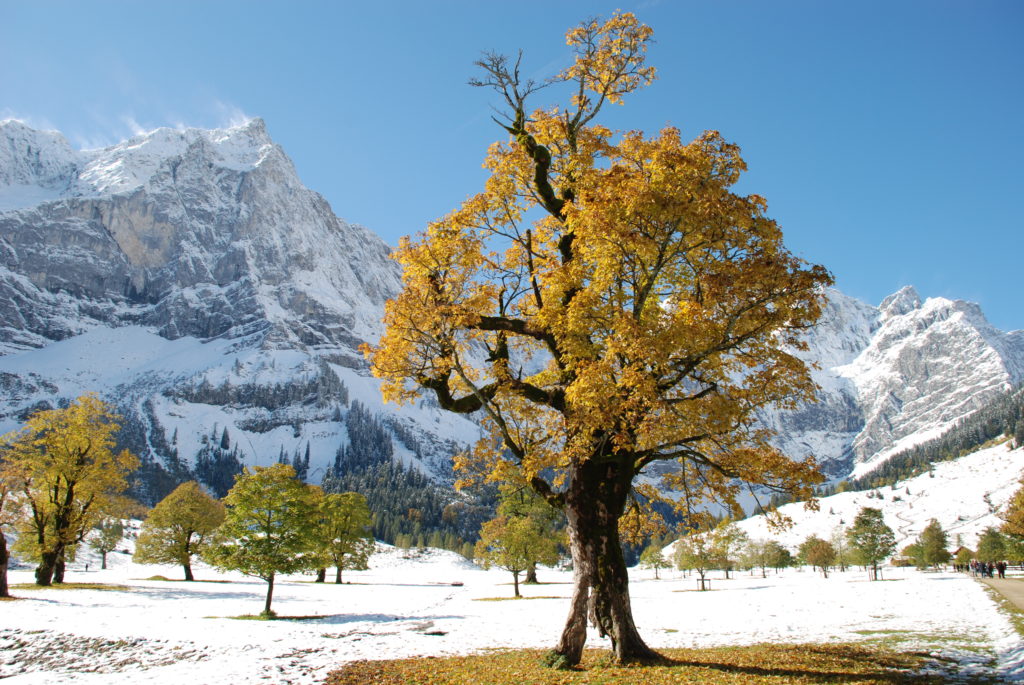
{"x":406,"y":605}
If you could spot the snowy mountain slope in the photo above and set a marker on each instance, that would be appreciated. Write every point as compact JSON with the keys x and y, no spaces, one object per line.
{"x":894,"y":376}
{"x":190,"y":276}
{"x":964,"y":496}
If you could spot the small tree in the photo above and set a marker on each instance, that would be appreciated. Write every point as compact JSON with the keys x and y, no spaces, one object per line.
{"x":513,"y":543}
{"x":653,"y":558}
{"x":269,"y":526}
{"x":697,"y":552}
{"x":63,"y":465}
{"x":779,"y":556}
{"x":871,"y":539}
{"x":914,"y":553}
{"x":522,"y":501}
{"x":842,"y":548}
{"x":729,"y":541}
{"x":345,"y":534}
{"x":963,"y":558}
{"x":178,"y":527}
{"x":818,"y":553}
{"x":991,"y":547}
{"x":108,"y":533}
{"x":933,"y":541}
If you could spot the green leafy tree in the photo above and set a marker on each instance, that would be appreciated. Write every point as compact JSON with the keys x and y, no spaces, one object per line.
{"x":269,"y":527}
{"x":991,"y":546}
{"x":766,"y":554}
{"x":178,"y":527}
{"x":653,"y":558}
{"x":871,"y":540}
{"x":512,"y":543}
{"x":67,"y":475}
{"x":1013,"y":548}
{"x":665,"y":305}
{"x":915,"y":554}
{"x":522,"y":501}
{"x":729,"y":543}
{"x":933,"y":541}
{"x":697,"y":552}
{"x":345,"y":534}
{"x":106,"y":535}
{"x":963,"y":557}
{"x":780,"y":556}
{"x":818,"y":553}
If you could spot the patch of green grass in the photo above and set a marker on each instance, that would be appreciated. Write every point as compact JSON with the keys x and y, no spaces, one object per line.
{"x":72,"y":586}
{"x":507,"y":599}
{"x":272,"y":617}
{"x":751,"y":665}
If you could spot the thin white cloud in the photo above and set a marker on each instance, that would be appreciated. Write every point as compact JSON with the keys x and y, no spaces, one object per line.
{"x":230,"y":115}
{"x":38,"y":123}
{"x":134,"y":126}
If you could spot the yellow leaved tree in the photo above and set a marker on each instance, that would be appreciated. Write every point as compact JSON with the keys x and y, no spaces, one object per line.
{"x":606,"y":302}
{"x":64,"y":473}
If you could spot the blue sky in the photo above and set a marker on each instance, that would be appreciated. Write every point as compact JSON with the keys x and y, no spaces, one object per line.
{"x":886,"y":136}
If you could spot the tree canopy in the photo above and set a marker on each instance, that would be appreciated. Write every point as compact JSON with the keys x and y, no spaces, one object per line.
{"x":345,"y":534}
{"x":871,"y":540}
{"x":63,"y":466}
{"x":606,"y":302}
{"x":268,"y":528}
{"x":178,"y":526}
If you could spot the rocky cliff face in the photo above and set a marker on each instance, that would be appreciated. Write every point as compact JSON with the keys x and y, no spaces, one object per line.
{"x":191,"y":277}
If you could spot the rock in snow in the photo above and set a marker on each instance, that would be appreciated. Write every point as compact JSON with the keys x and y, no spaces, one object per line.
{"x":192,"y":278}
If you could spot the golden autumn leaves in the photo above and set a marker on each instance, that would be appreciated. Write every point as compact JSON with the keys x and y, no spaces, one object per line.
{"x":607,"y":296}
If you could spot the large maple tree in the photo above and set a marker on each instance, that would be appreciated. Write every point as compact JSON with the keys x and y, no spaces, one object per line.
{"x":606,"y":302}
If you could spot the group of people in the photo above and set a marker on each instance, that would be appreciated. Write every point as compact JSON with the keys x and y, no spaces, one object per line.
{"x":985,"y":569}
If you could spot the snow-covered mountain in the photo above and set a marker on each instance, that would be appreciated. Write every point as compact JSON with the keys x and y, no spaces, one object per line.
{"x":190,"y":276}
{"x":894,"y":376}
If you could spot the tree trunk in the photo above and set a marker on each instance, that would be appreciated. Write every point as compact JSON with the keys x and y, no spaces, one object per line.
{"x":4,"y":557}
{"x":59,"y":568}
{"x":270,"y":596}
{"x":321,"y":575}
{"x":594,"y":502}
{"x":515,"y":580}
{"x":337,"y":575}
{"x":103,"y":560}
{"x":188,"y":571}
{"x":531,"y":574}
{"x":47,"y":563}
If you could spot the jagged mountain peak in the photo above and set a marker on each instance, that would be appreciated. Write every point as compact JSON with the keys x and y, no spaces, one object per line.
{"x":197,"y":232}
{"x":32,"y":160}
{"x":903,"y":301}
